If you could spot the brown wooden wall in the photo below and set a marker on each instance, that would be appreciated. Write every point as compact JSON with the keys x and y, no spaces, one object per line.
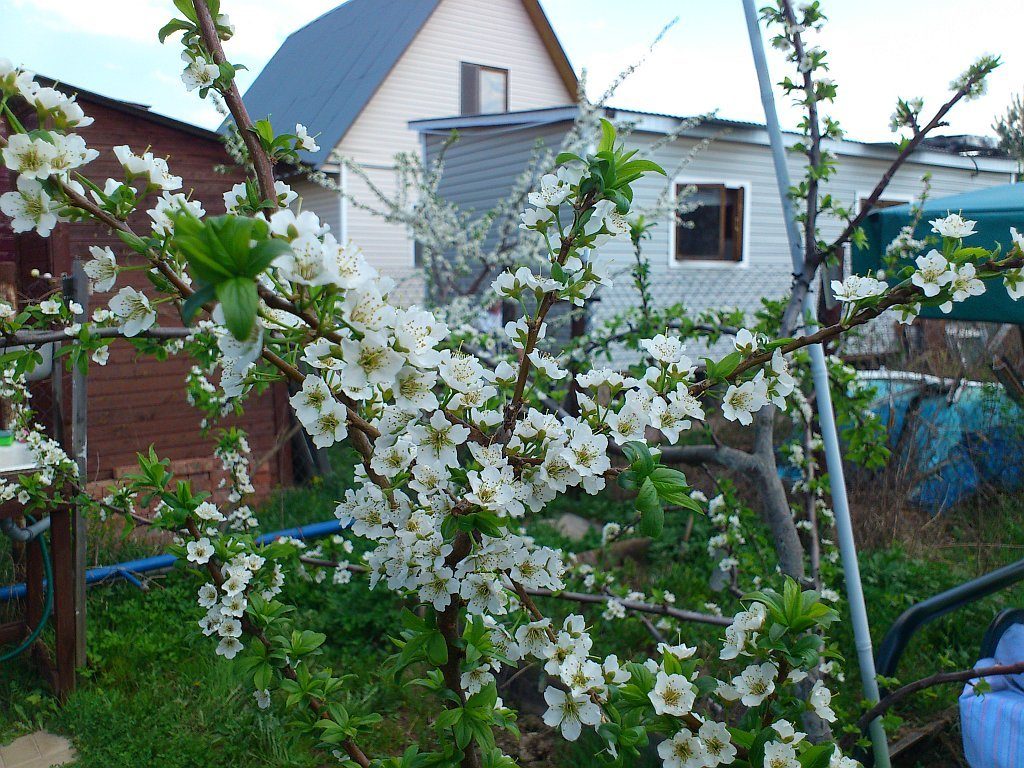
{"x":134,"y":401}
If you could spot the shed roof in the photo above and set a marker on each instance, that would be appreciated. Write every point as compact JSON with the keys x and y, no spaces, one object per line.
{"x":1005,"y":198}
{"x":720,"y":129}
{"x":129,"y":108}
{"x":993,"y":209}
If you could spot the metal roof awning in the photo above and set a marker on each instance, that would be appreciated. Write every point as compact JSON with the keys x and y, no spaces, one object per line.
{"x":995,"y":210}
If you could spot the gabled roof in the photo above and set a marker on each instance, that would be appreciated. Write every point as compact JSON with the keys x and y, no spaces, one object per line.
{"x":325,"y":73}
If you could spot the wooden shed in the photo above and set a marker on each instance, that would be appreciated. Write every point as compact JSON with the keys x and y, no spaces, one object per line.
{"x":136,"y":401}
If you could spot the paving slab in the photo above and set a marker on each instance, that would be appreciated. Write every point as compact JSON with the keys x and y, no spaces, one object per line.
{"x":37,"y":750}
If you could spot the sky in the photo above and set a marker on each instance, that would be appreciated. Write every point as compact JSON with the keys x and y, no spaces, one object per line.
{"x":879,"y":49}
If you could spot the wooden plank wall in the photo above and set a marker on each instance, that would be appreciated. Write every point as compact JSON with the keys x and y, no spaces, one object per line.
{"x":134,"y":401}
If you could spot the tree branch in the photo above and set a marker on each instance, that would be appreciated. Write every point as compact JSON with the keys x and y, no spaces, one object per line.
{"x":941,"y":678}
{"x":634,"y":605}
{"x":233,"y":99}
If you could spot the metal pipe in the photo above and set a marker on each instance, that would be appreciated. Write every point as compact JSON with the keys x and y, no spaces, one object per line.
{"x":129,"y":568}
{"x":15,"y":532}
{"x":895,"y":641}
{"x":823,"y":396}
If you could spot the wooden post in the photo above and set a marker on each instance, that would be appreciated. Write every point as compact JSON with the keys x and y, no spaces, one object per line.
{"x":79,"y":452}
{"x":64,"y":619}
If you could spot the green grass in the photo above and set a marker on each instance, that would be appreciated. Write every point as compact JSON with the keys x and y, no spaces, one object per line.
{"x":156,"y":695}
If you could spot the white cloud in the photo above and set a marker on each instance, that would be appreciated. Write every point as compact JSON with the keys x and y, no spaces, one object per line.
{"x":136,"y":20}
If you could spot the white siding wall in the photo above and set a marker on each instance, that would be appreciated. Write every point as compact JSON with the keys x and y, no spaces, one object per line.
{"x":326,"y":203}
{"x":765,"y":270}
{"x":426,"y":83}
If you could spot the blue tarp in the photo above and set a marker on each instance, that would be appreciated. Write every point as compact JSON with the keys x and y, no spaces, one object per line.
{"x":959,"y":444}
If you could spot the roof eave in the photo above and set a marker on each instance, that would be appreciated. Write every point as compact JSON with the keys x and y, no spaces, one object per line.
{"x":553,"y":45}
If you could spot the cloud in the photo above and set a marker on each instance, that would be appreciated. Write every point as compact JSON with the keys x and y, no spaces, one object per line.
{"x":136,"y":20}
{"x":261,"y":24}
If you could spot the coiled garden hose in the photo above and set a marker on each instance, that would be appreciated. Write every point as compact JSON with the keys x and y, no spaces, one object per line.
{"x":47,"y":602}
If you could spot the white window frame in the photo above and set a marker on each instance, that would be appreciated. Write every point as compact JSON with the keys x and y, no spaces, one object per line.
{"x":858,"y":196}
{"x":747,"y":186}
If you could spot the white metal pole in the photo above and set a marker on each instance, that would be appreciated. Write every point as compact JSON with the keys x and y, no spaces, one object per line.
{"x":823,"y":397}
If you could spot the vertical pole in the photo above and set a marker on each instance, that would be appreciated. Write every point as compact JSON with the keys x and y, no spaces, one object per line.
{"x":64,"y":619}
{"x":823,"y":396}
{"x":79,"y":452}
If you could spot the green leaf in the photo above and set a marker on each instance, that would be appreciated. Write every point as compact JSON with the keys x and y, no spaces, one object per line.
{"x":641,"y":166}
{"x":239,"y":299}
{"x":652,"y":516}
{"x":187,"y":10}
{"x":818,"y":756}
{"x":262,"y":255}
{"x":174,"y":25}
{"x":728,"y":364}
{"x":756,"y":751}
{"x":620,"y":199}
{"x":567,"y":157}
{"x":639,"y":456}
{"x":195,"y":302}
{"x":628,"y":480}
{"x":607,"y":137}
{"x":133,"y":241}
{"x":437,"y":649}
{"x":666,"y":478}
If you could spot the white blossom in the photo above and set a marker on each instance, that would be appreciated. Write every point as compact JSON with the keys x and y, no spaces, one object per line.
{"x":683,"y":750}
{"x":101,"y":268}
{"x":30,"y":207}
{"x":857,"y":288}
{"x":954,"y":225}
{"x":756,"y":683}
{"x":742,"y":401}
{"x":134,"y":310}
{"x":933,"y":273}
{"x":672,"y":694}
{"x":570,"y":712}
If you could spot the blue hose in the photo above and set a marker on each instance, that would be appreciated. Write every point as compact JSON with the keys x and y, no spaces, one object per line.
{"x":129,"y":568}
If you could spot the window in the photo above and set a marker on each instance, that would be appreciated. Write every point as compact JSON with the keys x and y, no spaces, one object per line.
{"x":484,"y":89}
{"x":716,"y":233}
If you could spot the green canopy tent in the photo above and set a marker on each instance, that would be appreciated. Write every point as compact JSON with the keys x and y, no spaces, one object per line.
{"x":996,"y":209}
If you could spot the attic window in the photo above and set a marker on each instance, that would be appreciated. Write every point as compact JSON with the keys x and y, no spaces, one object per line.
{"x":484,"y":89}
{"x":716,"y":233}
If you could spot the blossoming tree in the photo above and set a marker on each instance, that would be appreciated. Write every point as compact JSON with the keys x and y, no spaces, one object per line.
{"x":454,"y":451}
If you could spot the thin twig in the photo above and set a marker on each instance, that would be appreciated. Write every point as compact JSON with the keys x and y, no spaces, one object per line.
{"x":940,"y":678}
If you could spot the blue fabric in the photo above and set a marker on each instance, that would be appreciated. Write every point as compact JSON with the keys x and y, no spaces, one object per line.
{"x":993,"y":723}
{"x":957,"y":448}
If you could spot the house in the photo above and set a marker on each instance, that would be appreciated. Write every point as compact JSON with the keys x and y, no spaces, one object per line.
{"x":359,"y":74}
{"x":135,"y":401}
{"x":377,"y":77}
{"x":736,"y":251}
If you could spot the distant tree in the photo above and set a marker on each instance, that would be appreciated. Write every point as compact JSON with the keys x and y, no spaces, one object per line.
{"x":1010,"y":129}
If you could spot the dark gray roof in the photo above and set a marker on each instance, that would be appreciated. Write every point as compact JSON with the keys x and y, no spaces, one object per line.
{"x":325,"y":73}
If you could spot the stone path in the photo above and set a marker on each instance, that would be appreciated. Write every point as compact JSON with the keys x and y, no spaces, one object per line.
{"x":37,"y":750}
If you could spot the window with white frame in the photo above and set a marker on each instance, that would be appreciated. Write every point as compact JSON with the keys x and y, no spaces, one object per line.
{"x":713,"y":231}
{"x":484,"y":89}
